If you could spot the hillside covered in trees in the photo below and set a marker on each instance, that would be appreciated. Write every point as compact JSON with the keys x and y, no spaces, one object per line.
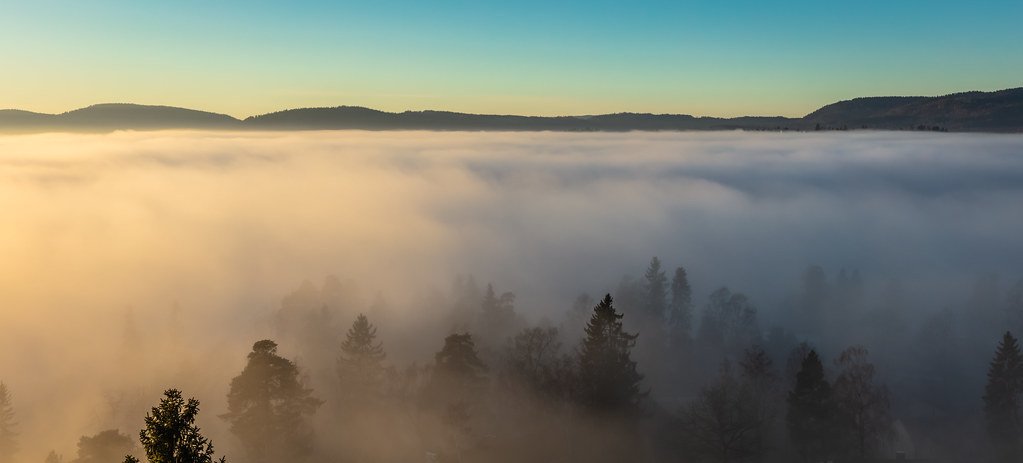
{"x":999,"y":111}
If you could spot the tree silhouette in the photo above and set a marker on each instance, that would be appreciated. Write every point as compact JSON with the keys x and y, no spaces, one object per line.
{"x":608,"y":380}
{"x":723,"y":423}
{"x":1002,"y":400}
{"x":534,"y":360}
{"x":863,"y":405}
{"x":680,"y":309}
{"x":655,"y":287}
{"x":105,"y":447}
{"x":8,"y":435}
{"x":360,"y":366}
{"x":758,"y":376}
{"x":171,"y":436}
{"x":811,"y":414}
{"x":267,"y":406}
{"x":458,"y":365}
{"x":729,"y":321}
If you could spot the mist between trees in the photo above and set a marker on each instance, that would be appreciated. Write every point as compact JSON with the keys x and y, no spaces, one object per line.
{"x":149,"y":269}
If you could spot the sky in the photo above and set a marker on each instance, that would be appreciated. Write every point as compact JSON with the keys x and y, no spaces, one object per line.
{"x":528,"y":57}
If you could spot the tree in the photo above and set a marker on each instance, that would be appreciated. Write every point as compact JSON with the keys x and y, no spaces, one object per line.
{"x":458,"y":365}
{"x":680,"y":309}
{"x":811,"y":413}
{"x":759,"y":378}
{"x":105,"y":447}
{"x":723,"y":424}
{"x":729,"y":321}
{"x":497,"y":316}
{"x":862,"y":405}
{"x":655,"y":287}
{"x":360,"y":366}
{"x":267,"y":406}
{"x":171,"y":436}
{"x":1002,"y":397}
{"x":535,"y":360}
{"x":608,"y":380}
{"x":8,"y":434}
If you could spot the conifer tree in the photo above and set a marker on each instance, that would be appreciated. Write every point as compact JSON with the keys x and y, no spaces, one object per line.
{"x":1002,"y":398}
{"x":268,"y":405}
{"x":608,"y":380}
{"x":655,"y":286}
{"x":811,"y":414}
{"x":360,"y":366}
{"x":680,"y":309}
{"x":171,"y":436}
{"x":8,"y":434}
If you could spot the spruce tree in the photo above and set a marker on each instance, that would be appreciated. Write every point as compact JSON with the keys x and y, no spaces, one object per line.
{"x":811,"y":415}
{"x":171,"y":436}
{"x":268,"y":405}
{"x":680,"y":309}
{"x":360,"y":366}
{"x":655,"y":286}
{"x":8,"y":434}
{"x":1002,"y":398}
{"x":608,"y":380}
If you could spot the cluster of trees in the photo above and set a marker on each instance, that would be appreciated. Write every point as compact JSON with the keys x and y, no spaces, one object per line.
{"x":643,"y":376}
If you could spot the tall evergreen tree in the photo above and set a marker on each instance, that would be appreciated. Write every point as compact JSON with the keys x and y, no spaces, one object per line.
{"x":811,"y":415}
{"x":497,"y":318}
{"x":360,"y":366}
{"x":8,"y":434}
{"x":655,"y":287}
{"x":268,"y":405}
{"x":680,"y":309}
{"x":608,"y":380}
{"x":1002,"y":398}
{"x":171,"y":436}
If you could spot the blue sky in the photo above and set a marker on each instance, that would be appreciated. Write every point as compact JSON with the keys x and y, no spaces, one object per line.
{"x":530,"y":57}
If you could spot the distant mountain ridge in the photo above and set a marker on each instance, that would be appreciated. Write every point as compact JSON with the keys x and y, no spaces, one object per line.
{"x":999,"y":111}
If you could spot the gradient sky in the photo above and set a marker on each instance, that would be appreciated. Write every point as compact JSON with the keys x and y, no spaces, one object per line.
{"x":720,"y":58}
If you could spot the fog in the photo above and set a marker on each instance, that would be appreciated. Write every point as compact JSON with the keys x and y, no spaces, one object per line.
{"x":138,"y":261}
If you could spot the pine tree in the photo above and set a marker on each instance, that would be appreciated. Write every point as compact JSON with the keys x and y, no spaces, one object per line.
{"x":680,"y":309}
{"x":360,"y":366}
{"x":1002,"y":398}
{"x":171,"y":436}
{"x":608,"y":380}
{"x":8,"y":435}
{"x":811,"y":414}
{"x":267,"y":406}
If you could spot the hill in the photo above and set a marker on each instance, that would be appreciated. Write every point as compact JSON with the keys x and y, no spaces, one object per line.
{"x":1000,"y":111}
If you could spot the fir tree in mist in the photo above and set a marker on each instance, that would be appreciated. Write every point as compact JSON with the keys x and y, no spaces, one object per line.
{"x":608,"y":378}
{"x":1002,"y":398}
{"x":360,"y":366}
{"x":812,"y":412}
{"x":170,"y":434}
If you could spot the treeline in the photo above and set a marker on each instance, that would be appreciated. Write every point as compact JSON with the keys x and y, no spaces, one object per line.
{"x":638,"y":376}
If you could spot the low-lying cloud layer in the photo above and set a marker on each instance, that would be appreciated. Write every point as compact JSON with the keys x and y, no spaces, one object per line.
{"x":97,"y":228}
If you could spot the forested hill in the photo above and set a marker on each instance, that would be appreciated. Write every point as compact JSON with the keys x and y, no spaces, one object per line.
{"x":116,"y":116}
{"x":1000,"y":111}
